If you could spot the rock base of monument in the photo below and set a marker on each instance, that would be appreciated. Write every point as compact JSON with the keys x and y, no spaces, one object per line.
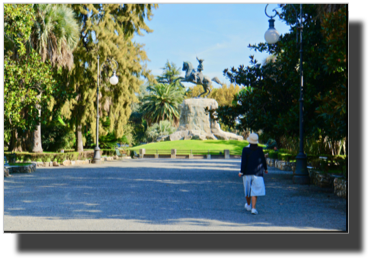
{"x":195,"y":122}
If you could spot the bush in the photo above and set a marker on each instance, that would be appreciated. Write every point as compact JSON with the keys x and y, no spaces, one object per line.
{"x":286,"y":156}
{"x":60,"y":158}
{"x":20,"y":158}
{"x":273,"y":155}
{"x":163,"y":128}
{"x":108,"y":152}
{"x":110,"y":141}
{"x":55,"y":136}
{"x":45,"y":158}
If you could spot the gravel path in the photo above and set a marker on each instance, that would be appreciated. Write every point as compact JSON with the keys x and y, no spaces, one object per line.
{"x":163,"y":195}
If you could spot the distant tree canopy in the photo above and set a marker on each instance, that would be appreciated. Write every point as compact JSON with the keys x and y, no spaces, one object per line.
{"x":223,"y":95}
{"x":271,"y":100}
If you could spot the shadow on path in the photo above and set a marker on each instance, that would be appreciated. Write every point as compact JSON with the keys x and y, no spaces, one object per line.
{"x":169,"y":192}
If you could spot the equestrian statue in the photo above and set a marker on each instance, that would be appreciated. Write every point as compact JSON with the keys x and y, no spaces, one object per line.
{"x":197,"y":77}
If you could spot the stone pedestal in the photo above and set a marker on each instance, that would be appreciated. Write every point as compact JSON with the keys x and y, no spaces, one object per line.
{"x":142,"y":153}
{"x":173,"y":153}
{"x":195,"y":122}
{"x":226,"y":154}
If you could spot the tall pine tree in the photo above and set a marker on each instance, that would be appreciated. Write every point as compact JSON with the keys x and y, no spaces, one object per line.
{"x":107,"y":30}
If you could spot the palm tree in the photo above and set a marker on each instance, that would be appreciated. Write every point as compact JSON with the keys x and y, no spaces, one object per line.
{"x":55,"y":35}
{"x":162,"y":103}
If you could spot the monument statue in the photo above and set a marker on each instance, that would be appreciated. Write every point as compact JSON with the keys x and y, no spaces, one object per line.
{"x":197,"y":77}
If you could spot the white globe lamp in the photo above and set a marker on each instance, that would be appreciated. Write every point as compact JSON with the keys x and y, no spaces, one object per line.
{"x":271,"y":35}
{"x":114,"y":79}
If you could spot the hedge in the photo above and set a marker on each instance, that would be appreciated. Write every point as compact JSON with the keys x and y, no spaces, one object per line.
{"x":59,"y":157}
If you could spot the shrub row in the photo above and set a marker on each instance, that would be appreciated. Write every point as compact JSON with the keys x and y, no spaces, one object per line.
{"x":58,"y":157}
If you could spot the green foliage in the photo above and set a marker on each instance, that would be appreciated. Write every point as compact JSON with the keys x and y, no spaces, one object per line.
{"x":110,"y":141}
{"x":333,"y":104}
{"x":34,"y":31}
{"x":55,"y":34}
{"x":24,"y":81}
{"x":128,"y":133}
{"x":273,"y":155}
{"x":139,"y":125}
{"x":162,"y":103}
{"x":271,"y":100}
{"x":55,"y":136}
{"x":18,"y":21}
{"x":163,"y":128}
{"x":169,"y":74}
{"x":107,"y":31}
{"x":224,"y":95}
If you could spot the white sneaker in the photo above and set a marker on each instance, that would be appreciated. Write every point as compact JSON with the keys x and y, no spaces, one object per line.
{"x":254,"y":211}
{"x":248,"y":207}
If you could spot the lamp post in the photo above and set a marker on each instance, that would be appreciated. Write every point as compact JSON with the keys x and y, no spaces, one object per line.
{"x":301,"y":174}
{"x":113,"y":80}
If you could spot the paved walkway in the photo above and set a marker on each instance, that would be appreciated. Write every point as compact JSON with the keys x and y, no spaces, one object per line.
{"x":163,"y":195}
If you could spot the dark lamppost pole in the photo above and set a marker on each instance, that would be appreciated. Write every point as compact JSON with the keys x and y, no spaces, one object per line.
{"x":301,"y":174}
{"x":113,"y":80}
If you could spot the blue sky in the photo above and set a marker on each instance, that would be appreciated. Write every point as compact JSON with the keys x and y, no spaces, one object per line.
{"x":217,"y":33}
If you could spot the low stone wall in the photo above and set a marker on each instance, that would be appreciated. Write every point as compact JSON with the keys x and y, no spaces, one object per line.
{"x":174,"y":155}
{"x":322,"y":180}
{"x":340,"y":186}
{"x":75,"y":162}
{"x":6,"y":172}
{"x":317,"y":178}
{"x":21,"y":169}
{"x":281,"y":164}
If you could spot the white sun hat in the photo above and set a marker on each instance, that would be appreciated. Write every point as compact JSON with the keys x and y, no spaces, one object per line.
{"x":253,"y":138}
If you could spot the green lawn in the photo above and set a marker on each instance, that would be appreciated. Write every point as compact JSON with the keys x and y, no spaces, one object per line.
{"x":197,"y":146}
{"x":19,"y":164}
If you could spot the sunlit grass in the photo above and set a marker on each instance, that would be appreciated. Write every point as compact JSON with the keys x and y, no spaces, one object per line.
{"x":202,"y":146}
{"x":19,"y":164}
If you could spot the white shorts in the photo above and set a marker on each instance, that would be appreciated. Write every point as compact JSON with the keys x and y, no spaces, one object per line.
{"x":251,"y":188}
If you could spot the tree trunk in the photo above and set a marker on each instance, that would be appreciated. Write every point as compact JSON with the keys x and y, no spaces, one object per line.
{"x":36,"y":135}
{"x":16,"y":142}
{"x":36,"y":139}
{"x":28,"y":141}
{"x":79,"y":138}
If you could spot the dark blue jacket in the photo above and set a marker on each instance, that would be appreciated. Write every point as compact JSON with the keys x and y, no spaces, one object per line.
{"x":256,"y":164}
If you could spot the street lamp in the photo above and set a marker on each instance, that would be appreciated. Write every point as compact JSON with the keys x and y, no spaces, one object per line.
{"x":301,"y":174}
{"x":113,"y":80}
{"x":271,"y":35}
